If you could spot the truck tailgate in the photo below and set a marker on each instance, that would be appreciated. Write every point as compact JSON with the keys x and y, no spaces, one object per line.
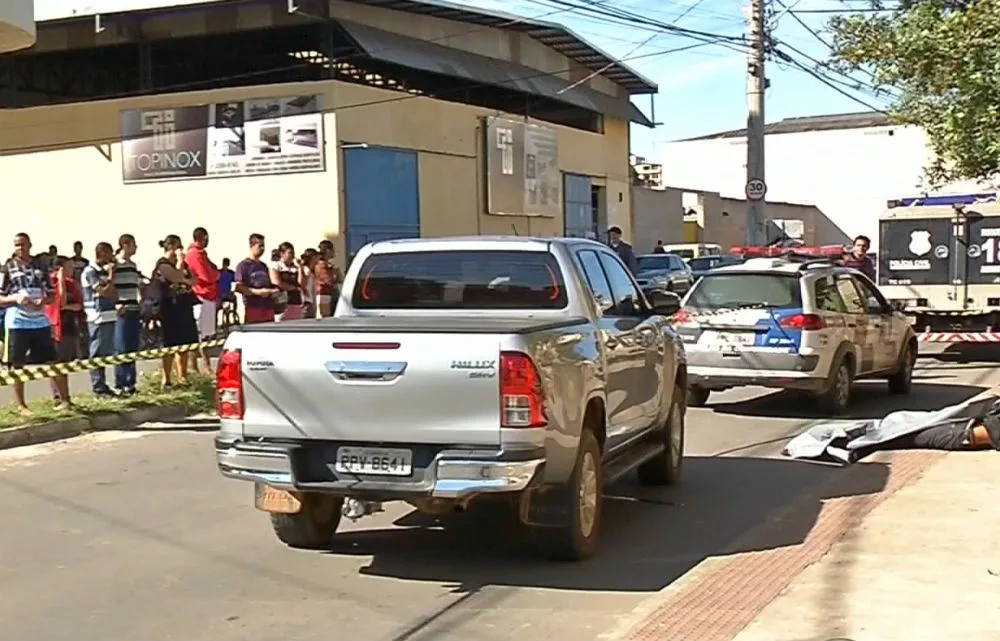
{"x":378,"y":387}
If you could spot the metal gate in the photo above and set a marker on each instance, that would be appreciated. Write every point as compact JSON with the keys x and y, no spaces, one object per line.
{"x":381,"y":195}
{"x":578,"y":207}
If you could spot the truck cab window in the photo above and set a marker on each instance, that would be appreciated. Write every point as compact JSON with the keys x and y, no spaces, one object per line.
{"x":596,"y":278}
{"x":626,"y":295}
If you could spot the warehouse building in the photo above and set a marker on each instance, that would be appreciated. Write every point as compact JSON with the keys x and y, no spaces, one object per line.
{"x":847,"y":165}
{"x":352,"y":120}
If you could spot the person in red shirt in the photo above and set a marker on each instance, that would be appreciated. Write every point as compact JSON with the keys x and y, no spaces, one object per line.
{"x":206,"y":290}
{"x":858,"y":258}
{"x":64,"y":316}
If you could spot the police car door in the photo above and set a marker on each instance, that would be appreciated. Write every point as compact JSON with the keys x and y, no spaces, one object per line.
{"x":886,"y":331}
{"x":859,"y":326}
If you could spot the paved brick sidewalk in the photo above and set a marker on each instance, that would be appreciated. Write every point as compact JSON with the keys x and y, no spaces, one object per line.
{"x":901,"y":548}
{"x":924,"y":565}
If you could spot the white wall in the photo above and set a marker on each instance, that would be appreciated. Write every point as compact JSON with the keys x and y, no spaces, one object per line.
{"x":17,"y":24}
{"x":848,"y":174}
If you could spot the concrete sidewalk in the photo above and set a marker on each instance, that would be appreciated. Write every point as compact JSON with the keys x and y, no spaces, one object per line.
{"x":922,"y":565}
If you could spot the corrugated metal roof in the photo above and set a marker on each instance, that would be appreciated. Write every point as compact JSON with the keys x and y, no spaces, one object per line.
{"x":429,"y":56}
{"x":859,"y":120}
{"x":551,"y":34}
{"x":556,"y":36}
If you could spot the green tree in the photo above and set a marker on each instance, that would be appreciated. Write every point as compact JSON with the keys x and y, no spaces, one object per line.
{"x":943,"y":59}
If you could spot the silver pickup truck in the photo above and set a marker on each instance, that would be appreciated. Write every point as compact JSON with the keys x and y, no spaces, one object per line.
{"x":527,"y":368}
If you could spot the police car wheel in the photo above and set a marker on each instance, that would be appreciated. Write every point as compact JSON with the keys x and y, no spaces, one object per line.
{"x":837,"y":396}
{"x":902,"y":381}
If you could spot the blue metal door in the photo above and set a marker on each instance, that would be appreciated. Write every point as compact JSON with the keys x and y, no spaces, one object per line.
{"x":580,"y":217}
{"x":381,"y":196}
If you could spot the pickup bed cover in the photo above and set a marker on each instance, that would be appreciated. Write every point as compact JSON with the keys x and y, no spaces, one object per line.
{"x":414,"y":324}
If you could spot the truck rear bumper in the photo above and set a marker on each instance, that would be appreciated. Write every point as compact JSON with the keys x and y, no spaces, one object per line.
{"x":451,"y":474}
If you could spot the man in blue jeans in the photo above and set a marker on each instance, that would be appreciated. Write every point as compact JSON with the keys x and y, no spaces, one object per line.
{"x":128,"y":286}
{"x":99,"y":302}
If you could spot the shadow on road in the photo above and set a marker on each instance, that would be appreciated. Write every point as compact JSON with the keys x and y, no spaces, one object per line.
{"x":965,"y":353}
{"x":651,"y":536}
{"x":871,"y":399}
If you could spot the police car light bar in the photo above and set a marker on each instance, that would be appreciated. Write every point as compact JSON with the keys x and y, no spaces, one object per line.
{"x":774,"y":251}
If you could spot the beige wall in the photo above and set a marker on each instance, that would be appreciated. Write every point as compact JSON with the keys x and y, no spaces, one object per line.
{"x":723,"y":220}
{"x":658,"y":214}
{"x":61,"y":188}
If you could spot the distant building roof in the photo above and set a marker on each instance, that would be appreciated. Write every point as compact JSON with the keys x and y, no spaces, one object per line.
{"x":860,"y":120}
{"x":556,"y":36}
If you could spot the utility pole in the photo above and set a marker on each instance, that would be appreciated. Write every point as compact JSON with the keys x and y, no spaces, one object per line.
{"x":756,"y":187}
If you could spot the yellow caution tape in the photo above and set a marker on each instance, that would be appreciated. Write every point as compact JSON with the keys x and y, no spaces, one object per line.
{"x":42,"y":372}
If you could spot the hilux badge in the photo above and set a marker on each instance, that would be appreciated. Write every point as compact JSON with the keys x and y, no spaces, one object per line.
{"x":473,"y":364}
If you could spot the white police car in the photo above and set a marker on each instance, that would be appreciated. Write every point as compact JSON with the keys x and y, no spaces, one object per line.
{"x":790,"y":323}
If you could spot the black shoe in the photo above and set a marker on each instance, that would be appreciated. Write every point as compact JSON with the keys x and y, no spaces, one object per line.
{"x":105,"y":392}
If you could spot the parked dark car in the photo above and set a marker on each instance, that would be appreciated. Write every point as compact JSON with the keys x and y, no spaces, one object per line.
{"x":701,"y":265}
{"x":668,"y":272}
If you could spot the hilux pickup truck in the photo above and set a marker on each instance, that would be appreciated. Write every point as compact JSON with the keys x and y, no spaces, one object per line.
{"x":528,"y":368}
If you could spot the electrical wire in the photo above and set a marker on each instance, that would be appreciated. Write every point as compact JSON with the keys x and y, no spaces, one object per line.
{"x":826,"y":81}
{"x":80,"y":142}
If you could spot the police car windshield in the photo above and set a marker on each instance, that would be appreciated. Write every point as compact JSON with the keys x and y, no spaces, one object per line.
{"x":741,"y":291}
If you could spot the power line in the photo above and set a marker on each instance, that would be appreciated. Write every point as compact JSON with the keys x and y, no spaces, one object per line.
{"x":826,"y":81}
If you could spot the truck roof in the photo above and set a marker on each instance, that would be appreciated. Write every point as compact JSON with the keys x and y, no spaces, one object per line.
{"x":473,"y":243}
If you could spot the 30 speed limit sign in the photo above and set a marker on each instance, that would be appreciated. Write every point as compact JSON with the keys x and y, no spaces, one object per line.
{"x":756,"y":189}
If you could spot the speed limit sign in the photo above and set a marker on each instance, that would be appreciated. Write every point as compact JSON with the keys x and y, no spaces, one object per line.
{"x":756,"y":189}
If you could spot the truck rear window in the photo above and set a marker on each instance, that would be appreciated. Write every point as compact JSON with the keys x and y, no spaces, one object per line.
{"x":460,"y":280}
{"x":734,"y":291}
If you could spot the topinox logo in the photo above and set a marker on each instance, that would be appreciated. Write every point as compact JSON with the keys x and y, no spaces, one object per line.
{"x":161,"y":127}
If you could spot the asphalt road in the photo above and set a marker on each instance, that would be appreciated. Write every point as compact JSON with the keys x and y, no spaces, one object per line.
{"x":135,"y":536}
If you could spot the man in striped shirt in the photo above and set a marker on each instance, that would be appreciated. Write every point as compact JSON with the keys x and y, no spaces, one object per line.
{"x":99,"y":302}
{"x":128,"y":286}
{"x":25,"y":290}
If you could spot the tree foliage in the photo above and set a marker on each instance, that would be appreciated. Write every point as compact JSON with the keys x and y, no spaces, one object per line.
{"x":941,"y":59}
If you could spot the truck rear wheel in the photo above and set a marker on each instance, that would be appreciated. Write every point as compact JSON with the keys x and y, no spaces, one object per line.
{"x":583,"y":494}
{"x":697,"y":396}
{"x":666,"y":467}
{"x":313,"y":527}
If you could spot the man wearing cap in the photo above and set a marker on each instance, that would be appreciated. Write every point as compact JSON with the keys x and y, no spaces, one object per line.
{"x":623,"y":249}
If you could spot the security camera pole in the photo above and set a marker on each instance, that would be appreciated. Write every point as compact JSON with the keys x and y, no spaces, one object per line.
{"x":756,"y":187}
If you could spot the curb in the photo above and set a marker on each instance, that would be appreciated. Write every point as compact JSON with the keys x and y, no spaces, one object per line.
{"x":715,"y":600}
{"x":38,"y":433}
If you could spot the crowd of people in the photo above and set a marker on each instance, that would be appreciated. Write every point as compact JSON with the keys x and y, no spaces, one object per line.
{"x":58,"y":308}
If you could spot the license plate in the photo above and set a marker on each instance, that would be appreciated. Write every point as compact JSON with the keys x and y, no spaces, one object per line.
{"x":377,"y":461}
{"x":737,"y":339}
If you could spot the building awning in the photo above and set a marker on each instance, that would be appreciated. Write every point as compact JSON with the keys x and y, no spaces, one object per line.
{"x":435,"y":58}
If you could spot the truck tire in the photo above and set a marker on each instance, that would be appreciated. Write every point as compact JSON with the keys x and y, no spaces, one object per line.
{"x":583,"y":494}
{"x":837,"y":396}
{"x":697,"y":396}
{"x":313,"y":527}
{"x":666,"y":468}
{"x":901,"y":382}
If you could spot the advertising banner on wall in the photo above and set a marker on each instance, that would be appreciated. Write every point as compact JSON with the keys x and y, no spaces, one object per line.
{"x":522,"y":168}
{"x":247,"y":138}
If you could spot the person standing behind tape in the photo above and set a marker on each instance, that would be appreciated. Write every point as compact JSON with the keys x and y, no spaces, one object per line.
{"x":64,"y":315}
{"x":128,"y":286}
{"x":25,"y":290}
{"x":79,"y":263}
{"x":253,"y":282}
{"x":99,"y":301}
{"x":176,"y":307}
{"x":328,"y":279}
{"x":206,"y":289}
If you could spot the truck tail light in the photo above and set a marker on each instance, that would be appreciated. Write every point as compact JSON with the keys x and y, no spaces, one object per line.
{"x":522,"y":402}
{"x":805,"y":322}
{"x":682,"y":316}
{"x":229,"y":385}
